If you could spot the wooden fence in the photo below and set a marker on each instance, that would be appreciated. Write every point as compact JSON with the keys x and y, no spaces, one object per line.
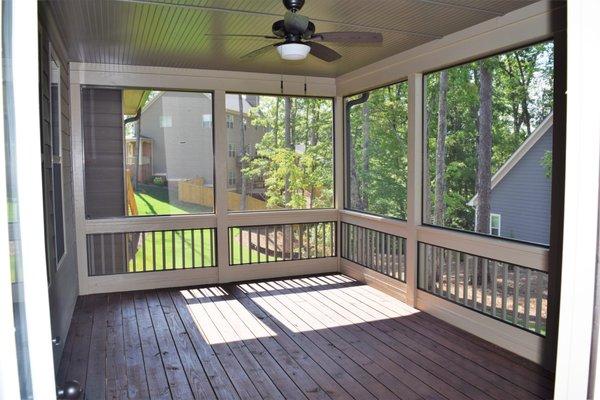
{"x":193,"y":191}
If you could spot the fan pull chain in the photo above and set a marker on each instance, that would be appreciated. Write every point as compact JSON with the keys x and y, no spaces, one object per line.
{"x":305,"y":86}
{"x":281,"y":82}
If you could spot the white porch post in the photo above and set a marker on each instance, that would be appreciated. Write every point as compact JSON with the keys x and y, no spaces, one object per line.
{"x":415,"y":156}
{"x":220,"y":184}
{"x":580,"y":243}
{"x":339,"y":173}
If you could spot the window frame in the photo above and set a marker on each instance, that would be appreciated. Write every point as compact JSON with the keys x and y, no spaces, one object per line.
{"x":499,"y":228}
{"x":346,"y":143}
{"x":333,"y":149}
{"x":423,"y":154}
{"x":126,"y":217}
{"x":57,"y":159}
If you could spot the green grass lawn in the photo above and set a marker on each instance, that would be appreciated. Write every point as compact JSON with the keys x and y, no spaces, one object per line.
{"x":171,"y":256}
{"x":244,"y":257}
{"x":154,"y":200}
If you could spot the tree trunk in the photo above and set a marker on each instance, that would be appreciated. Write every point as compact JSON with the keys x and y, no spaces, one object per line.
{"x":366,"y":128}
{"x":243,"y":191}
{"x":484,"y":150}
{"x":440,"y":153}
{"x":426,"y":179}
{"x":288,"y":142}
{"x":276,"y":128}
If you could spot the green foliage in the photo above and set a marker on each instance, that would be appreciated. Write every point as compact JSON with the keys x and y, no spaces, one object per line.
{"x":379,"y":161}
{"x":521,"y":99}
{"x":297,"y":174}
{"x":546,"y":162}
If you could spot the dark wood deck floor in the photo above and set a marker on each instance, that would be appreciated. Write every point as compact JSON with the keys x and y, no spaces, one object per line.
{"x":318,"y":338}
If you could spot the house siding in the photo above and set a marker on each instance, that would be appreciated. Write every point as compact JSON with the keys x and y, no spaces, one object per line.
{"x":63,"y":286}
{"x":184,"y":150}
{"x":523,"y":196}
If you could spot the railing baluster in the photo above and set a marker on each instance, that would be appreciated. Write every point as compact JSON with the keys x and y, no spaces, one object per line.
{"x":484,"y":283}
{"x":457,"y":276}
{"x":504,"y":289}
{"x":495,"y":287}
{"x":466,"y":280}
{"x":475,"y":284}
{"x":449,"y":257}
{"x":516,"y":296}
{"x":527,"y":297}
{"x":538,"y":301}
{"x":112,"y":251}
{"x":102,"y":258}
{"x":153,"y":251}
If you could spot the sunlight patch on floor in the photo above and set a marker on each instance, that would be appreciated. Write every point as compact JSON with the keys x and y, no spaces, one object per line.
{"x":221,"y":319}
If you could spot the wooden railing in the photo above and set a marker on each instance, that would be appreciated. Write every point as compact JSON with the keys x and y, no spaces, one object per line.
{"x":281,"y":242}
{"x":382,"y":252}
{"x":131,"y":252}
{"x":514,"y":294}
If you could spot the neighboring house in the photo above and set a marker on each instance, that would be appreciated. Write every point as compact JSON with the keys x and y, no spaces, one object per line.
{"x":521,"y":191}
{"x":179,"y":128}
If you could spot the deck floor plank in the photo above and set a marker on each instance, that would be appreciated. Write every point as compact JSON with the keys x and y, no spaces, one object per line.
{"x":490,"y":383}
{"x":317,"y":338}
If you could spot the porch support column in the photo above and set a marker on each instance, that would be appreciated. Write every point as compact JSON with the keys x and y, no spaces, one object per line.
{"x":220,"y":184}
{"x":339,"y":173}
{"x":415,"y":156}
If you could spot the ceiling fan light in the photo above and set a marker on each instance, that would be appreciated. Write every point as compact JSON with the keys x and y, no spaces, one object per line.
{"x":293,"y":51}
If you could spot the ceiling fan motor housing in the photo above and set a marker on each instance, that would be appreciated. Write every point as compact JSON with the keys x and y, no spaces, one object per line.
{"x":293,"y":5}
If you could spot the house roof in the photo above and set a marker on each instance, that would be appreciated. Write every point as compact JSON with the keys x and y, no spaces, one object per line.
{"x":531,"y":140}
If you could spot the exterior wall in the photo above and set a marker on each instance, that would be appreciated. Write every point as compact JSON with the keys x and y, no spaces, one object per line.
{"x":62,"y":279}
{"x":522,"y":197}
{"x":103,"y":146}
{"x":184,"y":150}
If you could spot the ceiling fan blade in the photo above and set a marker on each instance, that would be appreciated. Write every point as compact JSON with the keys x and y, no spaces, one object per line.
{"x":295,"y":23}
{"x":348,"y":37}
{"x":233,"y":35}
{"x":323,"y":52}
{"x":260,"y":51}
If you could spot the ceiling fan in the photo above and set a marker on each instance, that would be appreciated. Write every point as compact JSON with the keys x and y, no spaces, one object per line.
{"x":300,"y":39}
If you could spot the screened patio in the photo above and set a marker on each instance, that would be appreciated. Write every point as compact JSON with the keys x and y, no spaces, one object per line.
{"x":385,"y":225}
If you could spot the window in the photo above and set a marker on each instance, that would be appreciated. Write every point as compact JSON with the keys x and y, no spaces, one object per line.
{"x":245,"y":121}
{"x":137,"y":168}
{"x":229,"y":121}
{"x":292,"y":180}
{"x":488,"y":145}
{"x":231,"y":150}
{"x":377,"y":165}
{"x":495,"y":224}
{"x":57,"y":163}
{"x":207,"y":121}
{"x":166,"y":121}
{"x":231,"y":178}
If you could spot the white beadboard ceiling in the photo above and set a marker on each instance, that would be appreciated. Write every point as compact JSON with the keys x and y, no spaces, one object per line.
{"x":176,"y":33}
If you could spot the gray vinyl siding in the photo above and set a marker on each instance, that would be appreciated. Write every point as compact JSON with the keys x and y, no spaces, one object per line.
{"x":522,"y":197}
{"x":63,"y":286}
{"x":102,"y":120}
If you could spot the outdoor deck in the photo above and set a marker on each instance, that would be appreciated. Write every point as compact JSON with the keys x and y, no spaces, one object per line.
{"x":319,"y":337}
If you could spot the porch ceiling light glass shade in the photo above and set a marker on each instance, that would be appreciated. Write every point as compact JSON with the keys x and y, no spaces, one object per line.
{"x":293,"y":51}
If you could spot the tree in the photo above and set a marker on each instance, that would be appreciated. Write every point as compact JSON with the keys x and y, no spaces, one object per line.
{"x":440,"y":155}
{"x":364,"y":199}
{"x":484,"y":149}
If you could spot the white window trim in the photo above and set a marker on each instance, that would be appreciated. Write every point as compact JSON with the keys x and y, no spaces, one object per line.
{"x":492,"y":215}
{"x":53,"y":58}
